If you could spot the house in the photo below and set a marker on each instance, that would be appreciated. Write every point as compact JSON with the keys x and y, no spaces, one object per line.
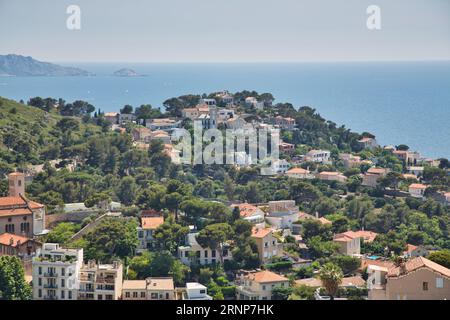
{"x":299,"y":173}
{"x":287,"y":147}
{"x":19,"y":246}
{"x":352,"y":161}
{"x":366,"y":236}
{"x":258,"y":285}
{"x":413,"y":251}
{"x":141,"y":133}
{"x":150,"y":221}
{"x":408,"y":157}
{"x":149,"y":289}
{"x":280,"y":166}
{"x":416,"y":170}
{"x":251,"y":213}
{"x":370,"y":178}
{"x":204,"y":256}
{"x":285,"y":123}
{"x":417,"y":190}
{"x":282,"y":214}
{"x":267,"y":244}
{"x":237,"y":123}
{"x":368,"y":143}
{"x":196,"y":112}
{"x":112,"y":117}
{"x":416,"y":279}
{"x":253,"y":102}
{"x":208,"y":102}
{"x":318,"y":156}
{"x":225,"y":114}
{"x":100,"y":281}
{"x":56,"y":272}
{"x":331,"y":176}
{"x":196,"y":291}
{"x":165,"y":124}
{"x":349,"y":243}
{"x":125,"y":118}
{"x":18,"y":215}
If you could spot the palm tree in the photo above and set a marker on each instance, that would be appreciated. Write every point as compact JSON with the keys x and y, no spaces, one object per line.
{"x":331,"y":276}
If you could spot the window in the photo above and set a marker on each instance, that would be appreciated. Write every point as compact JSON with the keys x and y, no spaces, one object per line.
{"x":63,"y":271}
{"x":100,"y":297}
{"x":154,"y":296}
{"x":264,"y":287}
{"x":425,"y":286}
{"x":142,"y":294}
{"x":40,"y":293}
{"x":202,"y":291}
{"x":63,"y":295}
{"x":213,"y":253}
{"x":167,"y":296}
{"x":135,"y":294}
{"x":439,"y":283}
{"x":206,"y":253}
{"x":127,"y":294}
{"x":63,"y":283}
{"x":70,"y":295}
{"x":40,"y":281}
{"x":40,"y":270}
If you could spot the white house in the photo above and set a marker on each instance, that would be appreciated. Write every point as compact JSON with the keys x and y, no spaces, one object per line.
{"x":204,"y":256}
{"x":417,"y":190}
{"x":282,"y":214}
{"x":280,"y":166}
{"x":196,"y":291}
{"x":318,"y":156}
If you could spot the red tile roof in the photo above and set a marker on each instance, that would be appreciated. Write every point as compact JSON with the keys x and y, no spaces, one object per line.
{"x":419,"y":263}
{"x":7,"y":238}
{"x":266,"y":276}
{"x":260,"y":232}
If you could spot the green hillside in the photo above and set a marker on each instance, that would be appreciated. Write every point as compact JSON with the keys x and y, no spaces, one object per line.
{"x":31,"y":135}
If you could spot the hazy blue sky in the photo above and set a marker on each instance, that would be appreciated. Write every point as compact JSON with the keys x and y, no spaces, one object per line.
{"x":226,"y":30}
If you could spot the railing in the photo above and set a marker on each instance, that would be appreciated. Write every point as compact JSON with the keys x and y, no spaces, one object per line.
{"x":50,"y":298}
{"x":50,"y":274}
{"x":50,"y":286}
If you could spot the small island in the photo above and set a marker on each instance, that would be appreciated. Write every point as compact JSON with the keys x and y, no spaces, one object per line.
{"x":126,"y":73}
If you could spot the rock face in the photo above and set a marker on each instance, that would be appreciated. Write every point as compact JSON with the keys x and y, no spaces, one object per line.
{"x":17,"y":65}
{"x":126,"y":73}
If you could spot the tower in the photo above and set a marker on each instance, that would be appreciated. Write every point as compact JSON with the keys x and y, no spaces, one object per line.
{"x":16,"y":184}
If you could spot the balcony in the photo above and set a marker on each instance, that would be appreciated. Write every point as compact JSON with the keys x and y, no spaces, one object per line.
{"x":50,"y":286}
{"x":50,"y":274}
{"x":50,"y":298}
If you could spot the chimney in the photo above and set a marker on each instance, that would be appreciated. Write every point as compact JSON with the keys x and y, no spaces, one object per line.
{"x":16,"y":181}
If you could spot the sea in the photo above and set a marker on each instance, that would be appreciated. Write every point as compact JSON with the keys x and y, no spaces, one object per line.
{"x":399,"y":102}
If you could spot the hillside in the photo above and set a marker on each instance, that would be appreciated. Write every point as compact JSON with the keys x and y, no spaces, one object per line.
{"x":17,"y":65}
{"x":28,"y":134}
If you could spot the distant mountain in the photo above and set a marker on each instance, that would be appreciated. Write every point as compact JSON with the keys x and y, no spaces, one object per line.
{"x":126,"y":73}
{"x":17,"y":65}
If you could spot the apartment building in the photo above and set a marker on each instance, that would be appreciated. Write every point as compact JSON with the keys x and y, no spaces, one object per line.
{"x":268,"y":246}
{"x":100,"y":281}
{"x":56,"y":272}
{"x":149,"y":289}
{"x":258,"y":285}
{"x":196,"y":291}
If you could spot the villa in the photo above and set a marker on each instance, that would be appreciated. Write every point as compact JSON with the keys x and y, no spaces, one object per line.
{"x":318,"y":156}
{"x":267,"y":244}
{"x":417,"y":190}
{"x":299,"y":173}
{"x":258,"y":285}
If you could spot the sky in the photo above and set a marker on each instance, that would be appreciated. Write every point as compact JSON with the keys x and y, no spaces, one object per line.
{"x":226,"y":30}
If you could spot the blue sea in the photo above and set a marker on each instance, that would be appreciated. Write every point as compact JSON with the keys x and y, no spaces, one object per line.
{"x":406,"y":102}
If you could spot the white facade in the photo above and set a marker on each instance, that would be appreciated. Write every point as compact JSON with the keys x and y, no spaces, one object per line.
{"x":55,"y":273}
{"x":319,"y":156}
{"x":204,"y":256}
{"x":280,"y":166}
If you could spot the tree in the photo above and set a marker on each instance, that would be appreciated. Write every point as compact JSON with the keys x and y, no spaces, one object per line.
{"x":62,"y":232}
{"x":127,"y":109}
{"x":441,"y":257}
{"x":12,"y":280}
{"x":127,"y":190}
{"x":113,"y":237}
{"x":348,"y":264}
{"x":214,"y":236}
{"x":331,"y":276}
{"x":281,"y":292}
{"x":170,"y":235}
{"x":100,"y":200}
{"x":302,"y":292}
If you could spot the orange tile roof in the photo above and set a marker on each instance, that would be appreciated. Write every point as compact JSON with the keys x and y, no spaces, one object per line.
{"x":5,"y":239}
{"x":418,"y":263}
{"x":418,"y":186}
{"x":246,"y":209}
{"x":266,"y":276}
{"x":376,"y":170}
{"x":410,"y":248}
{"x":297,"y":171}
{"x":368,"y":236}
{"x":15,"y":212}
{"x":151,"y":223}
{"x":346,"y":282}
{"x":11,"y":201}
{"x":261,"y":232}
